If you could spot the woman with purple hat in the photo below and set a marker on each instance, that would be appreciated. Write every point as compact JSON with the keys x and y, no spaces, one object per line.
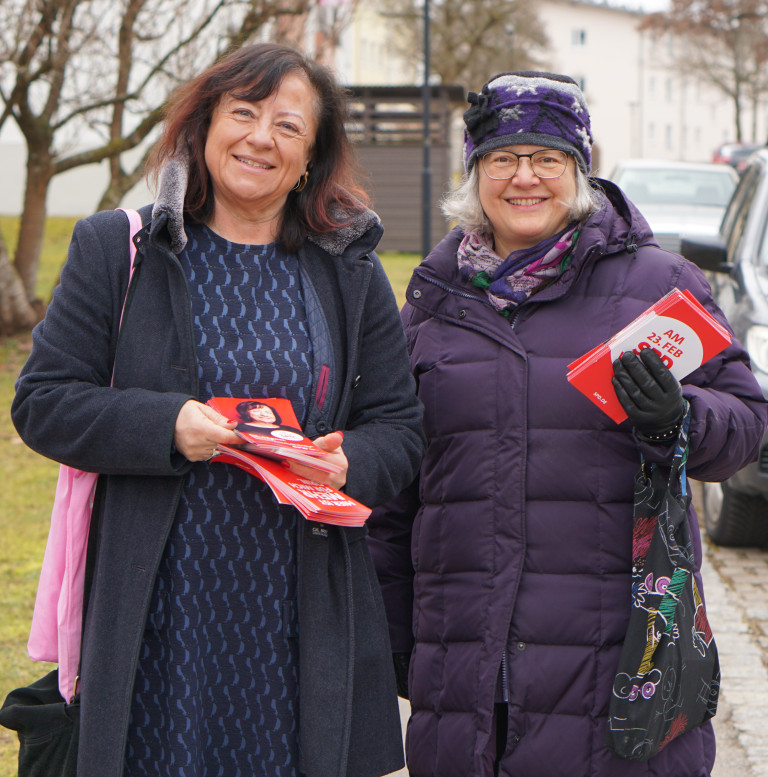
{"x":506,"y":567}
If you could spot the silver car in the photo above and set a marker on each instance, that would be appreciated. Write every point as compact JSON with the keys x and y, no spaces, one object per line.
{"x":736,"y":261}
{"x":677,"y":197}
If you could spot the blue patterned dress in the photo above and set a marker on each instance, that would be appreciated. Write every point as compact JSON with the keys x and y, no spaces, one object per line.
{"x":216,"y":691}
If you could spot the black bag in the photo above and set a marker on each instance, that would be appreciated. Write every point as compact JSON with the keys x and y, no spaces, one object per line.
{"x":668,"y":678}
{"x":48,"y":728}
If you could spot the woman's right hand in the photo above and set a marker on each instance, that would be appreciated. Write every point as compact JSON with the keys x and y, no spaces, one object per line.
{"x":199,"y":429}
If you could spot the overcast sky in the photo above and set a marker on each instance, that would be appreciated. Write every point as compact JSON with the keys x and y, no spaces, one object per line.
{"x":645,"y":5}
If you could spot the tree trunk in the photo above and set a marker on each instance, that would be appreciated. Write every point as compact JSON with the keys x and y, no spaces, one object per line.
{"x":32,"y":227}
{"x":120,"y":184}
{"x":16,"y":314}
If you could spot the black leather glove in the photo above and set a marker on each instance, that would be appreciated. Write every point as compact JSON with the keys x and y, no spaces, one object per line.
{"x":402,"y":662}
{"x":650,"y":394}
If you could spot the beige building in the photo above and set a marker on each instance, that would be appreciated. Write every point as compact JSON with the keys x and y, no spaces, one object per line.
{"x":640,"y":105}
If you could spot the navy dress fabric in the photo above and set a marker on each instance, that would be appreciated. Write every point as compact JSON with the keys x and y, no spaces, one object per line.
{"x":216,"y":691}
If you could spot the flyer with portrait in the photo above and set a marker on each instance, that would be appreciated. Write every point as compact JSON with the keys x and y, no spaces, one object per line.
{"x":677,"y":327}
{"x":269,"y":427}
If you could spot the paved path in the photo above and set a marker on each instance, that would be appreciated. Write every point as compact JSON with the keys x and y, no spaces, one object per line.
{"x":736,"y":592}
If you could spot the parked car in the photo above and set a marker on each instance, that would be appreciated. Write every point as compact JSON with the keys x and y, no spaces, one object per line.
{"x":735,"y":154}
{"x":677,"y":197}
{"x":736,"y":261}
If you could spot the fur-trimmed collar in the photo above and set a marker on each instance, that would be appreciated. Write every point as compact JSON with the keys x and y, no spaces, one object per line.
{"x":172,"y":187}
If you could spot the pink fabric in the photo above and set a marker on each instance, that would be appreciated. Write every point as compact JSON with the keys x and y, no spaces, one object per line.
{"x":58,"y":616}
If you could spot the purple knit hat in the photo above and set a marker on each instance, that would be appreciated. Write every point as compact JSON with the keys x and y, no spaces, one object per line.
{"x":528,"y":108}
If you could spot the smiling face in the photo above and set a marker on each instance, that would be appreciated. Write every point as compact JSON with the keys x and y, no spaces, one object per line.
{"x":525,"y":209}
{"x":262,"y":414}
{"x":256,"y":152}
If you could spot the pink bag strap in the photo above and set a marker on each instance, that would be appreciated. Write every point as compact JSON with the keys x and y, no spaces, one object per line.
{"x":134,"y":221}
{"x":57,"y":621}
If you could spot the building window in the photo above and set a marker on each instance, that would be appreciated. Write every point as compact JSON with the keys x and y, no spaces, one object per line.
{"x":668,"y":137}
{"x":579,"y":37}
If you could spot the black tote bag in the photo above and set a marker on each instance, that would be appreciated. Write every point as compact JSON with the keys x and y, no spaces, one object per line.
{"x":668,"y":678}
{"x":48,"y":728}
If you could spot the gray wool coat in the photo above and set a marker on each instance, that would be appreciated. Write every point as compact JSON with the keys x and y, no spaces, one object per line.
{"x":65,"y":410}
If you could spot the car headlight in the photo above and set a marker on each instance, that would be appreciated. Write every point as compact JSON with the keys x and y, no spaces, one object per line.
{"x":757,"y":346}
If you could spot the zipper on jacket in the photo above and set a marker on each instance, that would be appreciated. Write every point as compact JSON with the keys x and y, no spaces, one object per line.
{"x":504,"y":677}
{"x":451,"y":289}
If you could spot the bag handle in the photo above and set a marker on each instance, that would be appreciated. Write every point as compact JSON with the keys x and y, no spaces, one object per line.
{"x":135,"y":224}
{"x":680,"y":455}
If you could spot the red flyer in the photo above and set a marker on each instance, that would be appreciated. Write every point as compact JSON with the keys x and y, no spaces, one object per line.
{"x":677,"y":327}
{"x":269,"y":427}
{"x":315,"y":501}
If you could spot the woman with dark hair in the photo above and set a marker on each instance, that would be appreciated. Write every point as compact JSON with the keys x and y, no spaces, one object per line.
{"x":224,"y":634}
{"x":260,"y":418}
{"x":254,"y":412}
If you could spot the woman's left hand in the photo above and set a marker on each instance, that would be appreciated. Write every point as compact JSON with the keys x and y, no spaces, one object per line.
{"x":332,"y":443}
{"x":649,"y":393}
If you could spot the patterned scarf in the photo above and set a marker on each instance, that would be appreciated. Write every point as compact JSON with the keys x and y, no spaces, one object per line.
{"x":510,"y":281}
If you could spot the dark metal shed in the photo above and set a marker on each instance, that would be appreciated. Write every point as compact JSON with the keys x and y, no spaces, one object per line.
{"x":387,"y":127}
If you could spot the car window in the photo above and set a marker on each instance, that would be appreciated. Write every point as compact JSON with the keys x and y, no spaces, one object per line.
{"x":668,"y":186}
{"x":736,"y":216}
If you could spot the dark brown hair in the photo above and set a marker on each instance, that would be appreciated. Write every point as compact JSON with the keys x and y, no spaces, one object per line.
{"x":331,"y":196}
{"x":244,"y":410}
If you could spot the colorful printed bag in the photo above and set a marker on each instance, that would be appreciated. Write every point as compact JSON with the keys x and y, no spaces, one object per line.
{"x":668,"y":678}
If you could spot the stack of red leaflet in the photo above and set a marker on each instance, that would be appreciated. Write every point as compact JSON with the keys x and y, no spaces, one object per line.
{"x":315,"y":501}
{"x":270,"y":441}
{"x":677,"y":327}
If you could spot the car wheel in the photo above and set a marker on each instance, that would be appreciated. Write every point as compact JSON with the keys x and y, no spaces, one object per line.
{"x":734,"y":519}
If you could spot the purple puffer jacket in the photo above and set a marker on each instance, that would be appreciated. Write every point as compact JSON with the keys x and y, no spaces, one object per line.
{"x":519,"y":531}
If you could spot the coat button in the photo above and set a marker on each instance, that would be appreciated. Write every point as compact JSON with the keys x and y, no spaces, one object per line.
{"x":321,"y":426}
{"x":356,"y":381}
{"x":462,"y":314}
{"x":521,"y":646}
{"x":416,"y":294}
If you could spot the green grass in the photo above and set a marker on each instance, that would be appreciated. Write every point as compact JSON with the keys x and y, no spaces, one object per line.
{"x":57,"y":234}
{"x":30,"y":481}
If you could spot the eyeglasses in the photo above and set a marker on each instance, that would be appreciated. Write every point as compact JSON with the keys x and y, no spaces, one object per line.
{"x":546,"y":163}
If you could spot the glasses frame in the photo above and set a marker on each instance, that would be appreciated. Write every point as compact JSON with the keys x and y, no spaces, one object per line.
{"x":529,"y":157}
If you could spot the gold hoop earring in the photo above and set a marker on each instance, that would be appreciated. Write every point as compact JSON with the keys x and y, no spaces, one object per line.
{"x":302,"y":182}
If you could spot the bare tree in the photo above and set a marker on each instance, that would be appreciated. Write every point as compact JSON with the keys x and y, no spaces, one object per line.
{"x":85,"y":81}
{"x":725,"y":44}
{"x":470,"y":40}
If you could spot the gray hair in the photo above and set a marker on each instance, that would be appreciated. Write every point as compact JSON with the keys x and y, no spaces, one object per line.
{"x":463,"y":207}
